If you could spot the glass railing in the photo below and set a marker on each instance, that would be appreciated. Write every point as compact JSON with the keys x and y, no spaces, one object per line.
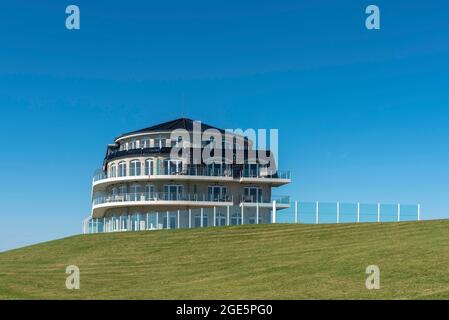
{"x":254,"y":199}
{"x":99,"y":175}
{"x":196,"y":171}
{"x":160,"y":196}
{"x":272,"y":175}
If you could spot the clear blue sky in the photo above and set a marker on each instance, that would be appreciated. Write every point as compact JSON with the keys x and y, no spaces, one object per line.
{"x":362,"y":115}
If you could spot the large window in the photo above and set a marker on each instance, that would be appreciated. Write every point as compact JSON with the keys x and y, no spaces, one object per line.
{"x":251,"y":170}
{"x":135,"y":192}
{"x":135,"y":168}
{"x":171,"y":222}
{"x":132,"y":145}
{"x":236,"y":218}
{"x":159,"y":142}
{"x":220,"y":219}
{"x":122,"y":190}
{"x":149,"y":167}
{"x":253,"y":194}
{"x":197,"y":220}
{"x":112,"y":171}
{"x":149,"y":192}
{"x":173,"y":192}
{"x":172,"y":167}
{"x":122,"y":169}
{"x":144,"y":143}
{"x":217,"y":193}
{"x":215,"y":169}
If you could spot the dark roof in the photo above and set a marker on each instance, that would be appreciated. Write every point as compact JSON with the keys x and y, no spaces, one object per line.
{"x":181,"y":123}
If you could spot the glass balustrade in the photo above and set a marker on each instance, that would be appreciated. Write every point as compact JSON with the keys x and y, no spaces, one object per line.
{"x":225,"y":171}
{"x":159,"y":196}
{"x":261,"y":199}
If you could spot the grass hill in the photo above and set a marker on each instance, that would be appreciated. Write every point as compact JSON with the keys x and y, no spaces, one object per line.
{"x":241,"y":262}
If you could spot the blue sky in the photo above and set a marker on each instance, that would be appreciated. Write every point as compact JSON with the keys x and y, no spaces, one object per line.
{"x":362,"y":115}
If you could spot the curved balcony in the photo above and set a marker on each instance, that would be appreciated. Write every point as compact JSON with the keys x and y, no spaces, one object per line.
{"x":230,"y":173}
{"x":158,"y":199}
{"x":263,"y":202}
{"x":277,"y":177}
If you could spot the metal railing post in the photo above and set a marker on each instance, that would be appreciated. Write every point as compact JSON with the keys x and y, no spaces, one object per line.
{"x":378,"y":212}
{"x":202,"y":217}
{"x":257,"y":213}
{"x":338,"y":212}
{"x":358,"y":212}
{"x":296,"y":211}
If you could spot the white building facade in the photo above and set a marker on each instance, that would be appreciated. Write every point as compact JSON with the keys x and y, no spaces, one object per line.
{"x":144,"y":185}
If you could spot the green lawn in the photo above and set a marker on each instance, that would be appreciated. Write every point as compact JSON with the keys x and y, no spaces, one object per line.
{"x":242,"y":262}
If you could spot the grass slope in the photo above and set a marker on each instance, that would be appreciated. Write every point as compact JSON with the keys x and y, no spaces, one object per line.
{"x":243,"y":262}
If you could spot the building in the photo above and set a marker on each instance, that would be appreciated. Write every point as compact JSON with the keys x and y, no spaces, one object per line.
{"x":145,"y":185}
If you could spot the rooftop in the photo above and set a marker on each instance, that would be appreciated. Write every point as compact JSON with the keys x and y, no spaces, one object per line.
{"x":181,"y":123}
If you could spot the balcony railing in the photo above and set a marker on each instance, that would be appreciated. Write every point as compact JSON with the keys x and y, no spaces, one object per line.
{"x":160,"y":196}
{"x":197,"y":172}
{"x":254,"y":199}
{"x":270,"y":175}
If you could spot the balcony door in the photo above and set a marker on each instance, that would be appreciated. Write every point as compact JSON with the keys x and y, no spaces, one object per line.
{"x":170,"y":223}
{"x":215,"y":169}
{"x":217,"y":193}
{"x":173,"y":192}
{"x":172,"y":167}
{"x":135,"y":193}
{"x":251,"y":170}
{"x":253,"y":194}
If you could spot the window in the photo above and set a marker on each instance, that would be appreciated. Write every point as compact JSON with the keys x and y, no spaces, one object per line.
{"x":135,"y":168}
{"x":220,"y":219}
{"x":171,"y":222}
{"x":252,"y":219}
{"x":149,"y":167}
{"x":197,"y":220}
{"x":135,"y":192}
{"x":251,"y":170}
{"x":173,"y":192}
{"x":172,"y":167}
{"x":122,"y":169}
{"x":215,"y":169}
{"x":132,"y":145}
{"x":217,"y":193}
{"x":159,"y":142}
{"x":112,"y":171}
{"x":253,"y":194}
{"x":149,"y":192}
{"x":236,"y":218}
{"x":145,"y":143}
{"x":122,"y":190}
